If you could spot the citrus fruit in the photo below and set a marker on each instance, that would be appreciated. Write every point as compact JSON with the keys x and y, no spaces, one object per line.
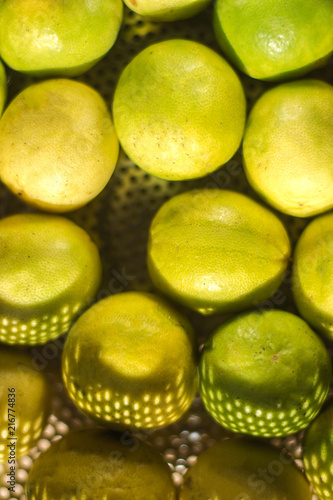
{"x":53,"y":37}
{"x":274,"y":39}
{"x":50,"y":272}
{"x":312,"y":274}
{"x":3,"y":87}
{"x":25,"y":400}
{"x":96,"y":464}
{"x":318,"y":453}
{"x":167,"y":10}
{"x":288,"y":148}
{"x":244,"y":469}
{"x":217,"y":250}
{"x":58,"y":147}
{"x":264,"y":373}
{"x":179,"y":110}
{"x":129,"y":362}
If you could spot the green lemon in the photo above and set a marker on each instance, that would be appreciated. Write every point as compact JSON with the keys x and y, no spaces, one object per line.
{"x":288,"y":149}
{"x":25,"y":403}
{"x":3,"y":87}
{"x":54,"y":37}
{"x":50,"y":272}
{"x":167,"y":10}
{"x":129,"y":362}
{"x":217,"y":250}
{"x":318,"y":453}
{"x":58,"y":146}
{"x":179,"y":110}
{"x":312,"y":274}
{"x":275,"y":39}
{"x":243,"y":469}
{"x":95,"y":464}
{"x":264,"y":374}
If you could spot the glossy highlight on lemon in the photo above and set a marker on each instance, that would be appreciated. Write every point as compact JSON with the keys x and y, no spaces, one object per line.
{"x":217,"y":250}
{"x":97,"y":464}
{"x":130,"y":362}
{"x":179,"y":110}
{"x":312,"y":274}
{"x":264,"y":373}
{"x":275,"y":39}
{"x":58,"y":146}
{"x":50,"y":272}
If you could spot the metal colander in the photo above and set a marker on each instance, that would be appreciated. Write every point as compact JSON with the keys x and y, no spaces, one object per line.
{"x":118,"y":221}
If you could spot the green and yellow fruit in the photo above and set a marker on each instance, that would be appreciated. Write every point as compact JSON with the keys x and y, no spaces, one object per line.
{"x":129,"y":362}
{"x":217,"y":251}
{"x":57,"y":38}
{"x":179,"y":110}
{"x":312,"y":274}
{"x":243,"y":469}
{"x":58,"y":146}
{"x":50,"y":272}
{"x":264,"y":374}
{"x":167,"y":10}
{"x":3,"y":87}
{"x":96,"y":464}
{"x":25,"y":404}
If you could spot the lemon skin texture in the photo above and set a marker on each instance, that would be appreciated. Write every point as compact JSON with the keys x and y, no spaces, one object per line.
{"x":288,"y":148}
{"x":246,"y":469}
{"x":179,"y":110}
{"x":98,"y":465}
{"x":312,"y":274}
{"x":54,"y":38}
{"x":130,"y":362}
{"x":264,"y":374}
{"x":58,"y":146}
{"x":50,"y":272}
{"x":278,"y":39}
{"x":216,"y":251}
{"x":3,"y":88}
{"x":167,"y":10}
{"x":25,"y":395}
{"x":318,"y":455}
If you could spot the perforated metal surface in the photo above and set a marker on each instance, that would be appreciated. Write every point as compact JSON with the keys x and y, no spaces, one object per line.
{"x":118,"y":220}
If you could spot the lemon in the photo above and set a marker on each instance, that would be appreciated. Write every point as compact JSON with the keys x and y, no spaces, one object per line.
{"x":50,"y":272}
{"x":275,"y":39}
{"x":318,"y":454}
{"x":58,"y":147}
{"x":167,"y":10}
{"x":288,"y":148}
{"x":25,"y":404}
{"x":179,"y":110}
{"x":312,"y":274}
{"x":54,"y":37}
{"x":243,"y":469}
{"x":3,"y":87}
{"x":96,"y":464}
{"x":217,"y":250}
{"x":129,"y":362}
{"x":264,"y":374}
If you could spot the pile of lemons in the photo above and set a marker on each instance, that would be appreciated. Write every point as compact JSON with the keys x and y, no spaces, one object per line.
{"x":131,"y":361}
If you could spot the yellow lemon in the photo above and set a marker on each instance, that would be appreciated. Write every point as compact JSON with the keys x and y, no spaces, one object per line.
{"x":217,"y":250}
{"x":58,"y":146}
{"x":288,"y":147}
{"x":264,"y":374}
{"x":53,"y":37}
{"x":167,"y":10}
{"x":25,"y":403}
{"x":244,"y":469}
{"x":312,"y":274}
{"x":179,"y":110}
{"x":275,"y":39}
{"x":50,"y":272}
{"x":96,"y":464}
{"x":129,"y":362}
{"x":3,"y":87}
